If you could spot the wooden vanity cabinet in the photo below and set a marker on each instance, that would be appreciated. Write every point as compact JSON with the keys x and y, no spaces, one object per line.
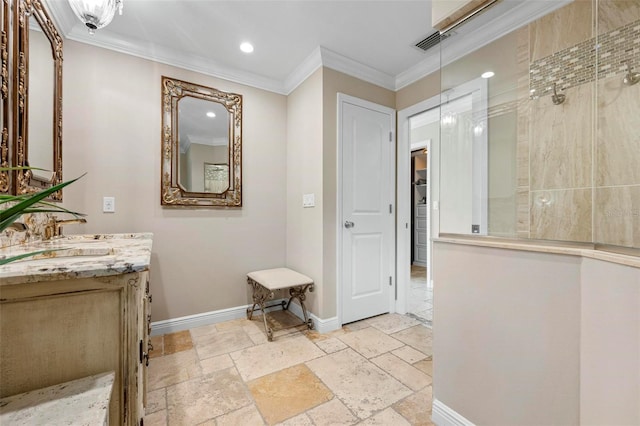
{"x":56,"y":331}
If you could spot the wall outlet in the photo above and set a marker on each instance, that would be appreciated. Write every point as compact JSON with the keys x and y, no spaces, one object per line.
{"x":308,"y":200}
{"x":108,"y":204}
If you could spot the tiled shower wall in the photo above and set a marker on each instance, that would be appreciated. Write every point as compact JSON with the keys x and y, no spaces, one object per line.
{"x":579,"y":166}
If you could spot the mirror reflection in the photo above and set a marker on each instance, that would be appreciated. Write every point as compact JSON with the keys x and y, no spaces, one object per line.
{"x":203,"y":145}
{"x":41,"y":102}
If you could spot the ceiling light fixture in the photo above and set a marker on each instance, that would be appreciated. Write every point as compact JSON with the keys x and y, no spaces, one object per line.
{"x":211,"y":114}
{"x":95,"y":14}
{"x":246,"y":47}
{"x":448,"y":119}
{"x":488,"y":74}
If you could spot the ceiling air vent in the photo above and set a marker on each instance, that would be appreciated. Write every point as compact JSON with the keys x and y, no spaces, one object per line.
{"x":431,"y":40}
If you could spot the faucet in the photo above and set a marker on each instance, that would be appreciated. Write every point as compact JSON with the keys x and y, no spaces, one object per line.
{"x":631,"y":77}
{"x":17,"y":226}
{"x":52,"y":229}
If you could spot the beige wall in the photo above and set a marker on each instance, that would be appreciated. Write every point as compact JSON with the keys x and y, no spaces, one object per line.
{"x":610,"y":344}
{"x":416,"y":92}
{"x":546,"y":338}
{"x":334,"y":82}
{"x":112,"y":108}
{"x":304,"y":176}
{"x":506,"y":344}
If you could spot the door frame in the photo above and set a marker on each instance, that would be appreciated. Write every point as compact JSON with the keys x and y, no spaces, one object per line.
{"x":342,"y":99}
{"x":403,"y":202}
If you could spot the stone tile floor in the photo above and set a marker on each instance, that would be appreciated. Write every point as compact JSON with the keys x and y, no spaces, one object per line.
{"x":420,"y":302}
{"x":371,"y":372}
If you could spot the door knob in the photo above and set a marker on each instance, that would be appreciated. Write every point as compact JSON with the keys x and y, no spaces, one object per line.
{"x":348,"y":224}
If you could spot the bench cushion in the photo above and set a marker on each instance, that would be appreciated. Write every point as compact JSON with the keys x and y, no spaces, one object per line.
{"x":275,"y":279}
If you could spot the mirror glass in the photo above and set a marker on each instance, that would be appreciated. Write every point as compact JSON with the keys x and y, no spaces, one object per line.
{"x":38,"y":110}
{"x":201,"y":146}
{"x":40,"y":114}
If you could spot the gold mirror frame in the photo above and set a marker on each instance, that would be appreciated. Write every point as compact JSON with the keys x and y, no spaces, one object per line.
{"x":24,"y":181}
{"x":5,"y":175}
{"x":172,"y":193}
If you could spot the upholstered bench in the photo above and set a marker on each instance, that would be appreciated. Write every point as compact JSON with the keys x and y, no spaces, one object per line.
{"x":264,"y":284}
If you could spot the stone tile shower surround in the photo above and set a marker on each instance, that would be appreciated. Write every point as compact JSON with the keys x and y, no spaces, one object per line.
{"x":579,"y":175}
{"x":576,"y":65}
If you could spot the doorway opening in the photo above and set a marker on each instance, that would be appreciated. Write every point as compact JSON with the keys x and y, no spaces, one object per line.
{"x":433,"y":124}
{"x":423,"y":129}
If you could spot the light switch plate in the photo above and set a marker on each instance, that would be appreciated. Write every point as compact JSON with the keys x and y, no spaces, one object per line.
{"x":308,"y":200}
{"x":108,"y":204}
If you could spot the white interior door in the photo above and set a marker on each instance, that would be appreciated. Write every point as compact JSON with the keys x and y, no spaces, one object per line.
{"x":368,"y":242}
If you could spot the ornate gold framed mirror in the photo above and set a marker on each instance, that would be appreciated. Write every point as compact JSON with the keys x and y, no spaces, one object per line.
{"x":201,"y":146}
{"x":5,"y":175}
{"x":38,"y":99}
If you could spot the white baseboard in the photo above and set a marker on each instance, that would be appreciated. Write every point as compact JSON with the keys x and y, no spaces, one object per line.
{"x":198,"y":320}
{"x":319,"y":324}
{"x":207,"y":318}
{"x":442,"y":415}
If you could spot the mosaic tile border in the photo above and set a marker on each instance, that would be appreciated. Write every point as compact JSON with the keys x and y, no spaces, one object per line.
{"x":577,"y":65}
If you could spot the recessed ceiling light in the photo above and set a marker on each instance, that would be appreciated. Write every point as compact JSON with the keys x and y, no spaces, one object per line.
{"x":211,"y":114}
{"x":246,"y":47}
{"x":488,"y":74}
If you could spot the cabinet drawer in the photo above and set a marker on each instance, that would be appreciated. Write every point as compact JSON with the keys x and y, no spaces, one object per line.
{"x":421,"y":210}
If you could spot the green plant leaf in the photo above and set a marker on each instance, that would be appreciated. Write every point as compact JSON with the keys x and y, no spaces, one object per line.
{"x":10,"y":215}
{"x":4,"y":261}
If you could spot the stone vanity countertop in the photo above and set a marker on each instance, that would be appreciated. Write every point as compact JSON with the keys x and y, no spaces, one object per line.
{"x":79,"y":402}
{"x":77,"y":256}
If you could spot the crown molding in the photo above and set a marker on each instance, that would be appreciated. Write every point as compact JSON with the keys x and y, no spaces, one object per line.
{"x":356,"y":69}
{"x":176,"y":58}
{"x":427,"y":66}
{"x":323,"y":57}
{"x":473,"y":35}
{"x":303,"y":71}
{"x":74,"y":30}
